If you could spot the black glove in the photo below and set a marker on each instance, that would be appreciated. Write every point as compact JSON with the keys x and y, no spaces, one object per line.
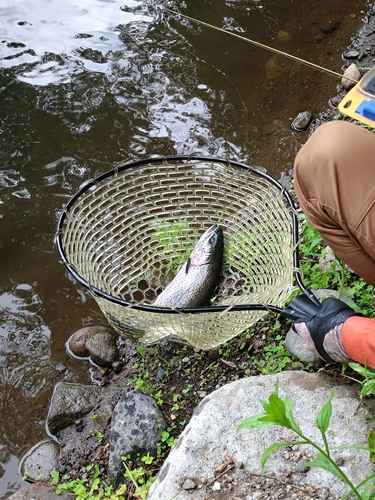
{"x":313,"y":322}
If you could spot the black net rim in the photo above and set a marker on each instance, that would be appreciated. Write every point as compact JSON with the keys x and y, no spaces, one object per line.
{"x":167,"y":310}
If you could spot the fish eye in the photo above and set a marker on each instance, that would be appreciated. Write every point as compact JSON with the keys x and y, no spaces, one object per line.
{"x":212,"y":239}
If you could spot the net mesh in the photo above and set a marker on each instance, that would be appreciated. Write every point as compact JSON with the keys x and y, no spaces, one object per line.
{"x":127,"y":235}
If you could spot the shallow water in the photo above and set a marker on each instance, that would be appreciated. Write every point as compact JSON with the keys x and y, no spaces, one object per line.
{"x":88,"y":83}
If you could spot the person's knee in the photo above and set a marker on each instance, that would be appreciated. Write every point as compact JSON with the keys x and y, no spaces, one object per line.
{"x":326,"y":148}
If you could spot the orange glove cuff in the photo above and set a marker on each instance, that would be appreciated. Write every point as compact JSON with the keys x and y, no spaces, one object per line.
{"x":358,"y":337}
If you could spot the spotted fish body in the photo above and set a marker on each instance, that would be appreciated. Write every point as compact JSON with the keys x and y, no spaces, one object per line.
{"x":195,"y":282}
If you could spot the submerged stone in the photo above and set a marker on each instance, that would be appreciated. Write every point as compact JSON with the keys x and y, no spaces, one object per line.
{"x":302,"y":121}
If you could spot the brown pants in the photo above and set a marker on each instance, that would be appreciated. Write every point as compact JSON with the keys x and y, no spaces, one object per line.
{"x":334,"y":179}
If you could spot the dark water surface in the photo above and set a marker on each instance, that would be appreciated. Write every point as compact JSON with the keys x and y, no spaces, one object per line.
{"x":88,"y":83}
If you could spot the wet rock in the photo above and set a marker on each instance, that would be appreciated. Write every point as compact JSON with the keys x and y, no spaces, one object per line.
{"x":350,"y":77}
{"x":69,"y":403}
{"x":350,"y":54}
{"x":102,"y":349}
{"x":137,"y":426}
{"x":283,"y":36}
{"x":39,"y":492}
{"x":273,"y":127}
{"x":329,"y":24}
{"x":77,"y":342}
{"x":302,"y":121}
{"x":275,"y":66}
{"x":117,"y":366}
{"x":42,"y":459}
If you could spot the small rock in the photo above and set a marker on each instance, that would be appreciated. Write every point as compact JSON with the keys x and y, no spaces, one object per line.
{"x":350,"y":77}
{"x":350,"y":54}
{"x":40,"y":461}
{"x":324,"y":494}
{"x":302,"y":121}
{"x":69,"y":403}
{"x":302,"y":467}
{"x":329,"y":24}
{"x":76,"y":344}
{"x":79,"y":424}
{"x":275,"y":67}
{"x":213,"y":354}
{"x":216,"y":486}
{"x":117,"y":366}
{"x":102,"y":349}
{"x":189,"y":484}
{"x":283,"y":36}
{"x":160,"y":373}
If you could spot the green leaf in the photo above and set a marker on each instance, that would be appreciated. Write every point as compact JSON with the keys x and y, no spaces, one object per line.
{"x":368,"y":387}
{"x":289,"y":414}
{"x":362,"y":370}
{"x":278,"y":412}
{"x":371,"y":443}
{"x":320,"y":461}
{"x":324,"y":416}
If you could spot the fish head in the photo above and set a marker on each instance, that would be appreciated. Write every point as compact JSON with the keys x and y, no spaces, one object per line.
{"x":208,"y":248}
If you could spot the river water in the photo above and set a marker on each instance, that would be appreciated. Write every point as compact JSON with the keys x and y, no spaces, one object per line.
{"x":85,"y":84}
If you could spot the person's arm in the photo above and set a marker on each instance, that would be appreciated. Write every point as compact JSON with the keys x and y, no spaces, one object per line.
{"x":358,"y":338}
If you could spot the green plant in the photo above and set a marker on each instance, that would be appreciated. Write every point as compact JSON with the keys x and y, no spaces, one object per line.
{"x":84,"y":491}
{"x":99,"y":436}
{"x":280,"y":413}
{"x":368,"y":384}
{"x":139,"y":477}
{"x":173,"y":241}
{"x":337,"y":277}
{"x":276,"y":357}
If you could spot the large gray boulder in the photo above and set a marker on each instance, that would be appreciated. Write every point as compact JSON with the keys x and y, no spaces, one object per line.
{"x":211,"y":440}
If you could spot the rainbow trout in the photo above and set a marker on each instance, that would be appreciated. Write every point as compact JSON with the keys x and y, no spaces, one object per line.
{"x":195,"y":282}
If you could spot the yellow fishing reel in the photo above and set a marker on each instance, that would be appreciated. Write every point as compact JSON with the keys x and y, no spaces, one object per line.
{"x":359,"y":102}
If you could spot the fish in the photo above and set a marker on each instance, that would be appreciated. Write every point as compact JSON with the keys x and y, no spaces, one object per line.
{"x":195,"y":282}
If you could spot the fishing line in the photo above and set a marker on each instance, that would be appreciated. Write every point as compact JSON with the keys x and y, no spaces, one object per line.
{"x":261,"y":45}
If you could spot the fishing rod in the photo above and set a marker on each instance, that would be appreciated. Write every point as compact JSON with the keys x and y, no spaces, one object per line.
{"x":261,"y":45}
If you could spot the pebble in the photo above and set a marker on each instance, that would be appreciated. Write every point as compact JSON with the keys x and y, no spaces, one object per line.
{"x":350,"y":54}
{"x":350,"y":77}
{"x":302,"y":467}
{"x":329,"y":24}
{"x":216,"y":486}
{"x":302,"y":121}
{"x":283,"y":36}
{"x":117,"y":366}
{"x":189,"y":484}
